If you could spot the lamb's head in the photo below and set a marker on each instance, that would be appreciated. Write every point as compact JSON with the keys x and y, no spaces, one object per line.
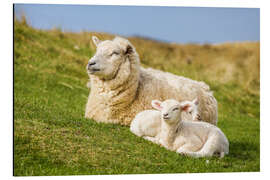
{"x":192,"y":109}
{"x":110,"y":54}
{"x":170,"y":110}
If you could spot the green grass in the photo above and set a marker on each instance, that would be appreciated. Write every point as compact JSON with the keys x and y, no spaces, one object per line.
{"x":52,"y":137}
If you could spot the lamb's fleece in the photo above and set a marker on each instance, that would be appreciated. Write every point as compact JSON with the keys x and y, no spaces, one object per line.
{"x":197,"y":139}
{"x":147,"y":123}
{"x":120,"y":88}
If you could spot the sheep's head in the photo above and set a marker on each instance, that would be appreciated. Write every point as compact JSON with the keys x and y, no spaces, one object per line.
{"x":109,"y":56}
{"x":171,"y":109}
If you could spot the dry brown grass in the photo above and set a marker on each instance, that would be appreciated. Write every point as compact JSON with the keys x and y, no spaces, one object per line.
{"x":237,"y":63}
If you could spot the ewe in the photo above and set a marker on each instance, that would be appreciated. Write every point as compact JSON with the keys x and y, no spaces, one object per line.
{"x":120,"y":88}
{"x":148,"y":122}
{"x":196,"y":139}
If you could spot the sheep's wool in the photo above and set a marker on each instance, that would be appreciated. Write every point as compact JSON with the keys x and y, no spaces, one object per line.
{"x":132,"y":88}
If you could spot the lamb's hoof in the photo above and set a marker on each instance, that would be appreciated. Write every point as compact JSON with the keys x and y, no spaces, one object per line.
{"x":182,"y":153}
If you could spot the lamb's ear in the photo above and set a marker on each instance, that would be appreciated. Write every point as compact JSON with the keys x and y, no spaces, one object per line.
{"x":185,"y":107}
{"x":156,"y":104}
{"x":95,"y":40}
{"x":129,"y":49}
{"x":196,"y":101}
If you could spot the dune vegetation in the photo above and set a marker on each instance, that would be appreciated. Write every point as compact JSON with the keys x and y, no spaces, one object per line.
{"x":52,"y":137}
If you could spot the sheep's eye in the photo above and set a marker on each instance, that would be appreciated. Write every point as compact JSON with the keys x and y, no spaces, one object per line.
{"x":175,"y":109}
{"x":114,"y":53}
{"x":190,"y":112}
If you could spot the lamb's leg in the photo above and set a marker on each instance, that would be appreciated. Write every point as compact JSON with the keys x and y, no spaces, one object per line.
{"x":222,"y":154}
{"x":152,"y":139}
{"x":192,"y":154}
{"x":184,"y":150}
{"x":210,"y":147}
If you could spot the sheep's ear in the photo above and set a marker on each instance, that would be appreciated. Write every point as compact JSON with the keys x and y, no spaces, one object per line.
{"x":129,"y":49}
{"x":95,"y":40}
{"x":196,"y":101}
{"x":185,"y":107}
{"x":156,"y":104}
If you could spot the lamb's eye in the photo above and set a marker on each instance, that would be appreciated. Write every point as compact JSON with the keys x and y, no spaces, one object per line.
{"x":114,"y":53}
{"x":190,"y":112}
{"x":175,"y":109}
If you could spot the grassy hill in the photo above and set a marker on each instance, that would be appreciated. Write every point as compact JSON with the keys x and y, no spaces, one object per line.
{"x":52,"y":137}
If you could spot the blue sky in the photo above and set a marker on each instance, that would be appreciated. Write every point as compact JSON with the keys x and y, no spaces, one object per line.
{"x":171,"y":24}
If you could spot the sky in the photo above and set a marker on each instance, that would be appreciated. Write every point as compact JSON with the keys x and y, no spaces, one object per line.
{"x":169,"y":24}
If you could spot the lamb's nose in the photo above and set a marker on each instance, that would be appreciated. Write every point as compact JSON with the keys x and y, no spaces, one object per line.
{"x":165,"y":115}
{"x":91,"y":64}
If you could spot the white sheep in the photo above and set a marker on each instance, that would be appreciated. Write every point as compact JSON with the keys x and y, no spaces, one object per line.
{"x":147,"y":123}
{"x":121,"y":88}
{"x":196,"y":139}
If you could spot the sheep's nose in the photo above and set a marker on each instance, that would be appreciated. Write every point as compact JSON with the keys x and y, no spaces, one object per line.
{"x":91,"y":63}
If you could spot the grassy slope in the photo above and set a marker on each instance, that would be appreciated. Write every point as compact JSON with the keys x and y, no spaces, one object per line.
{"x":52,"y":137}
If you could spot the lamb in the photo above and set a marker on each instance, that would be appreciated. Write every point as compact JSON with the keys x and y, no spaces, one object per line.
{"x":147,"y":123}
{"x":120,"y":88}
{"x":196,"y":139}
